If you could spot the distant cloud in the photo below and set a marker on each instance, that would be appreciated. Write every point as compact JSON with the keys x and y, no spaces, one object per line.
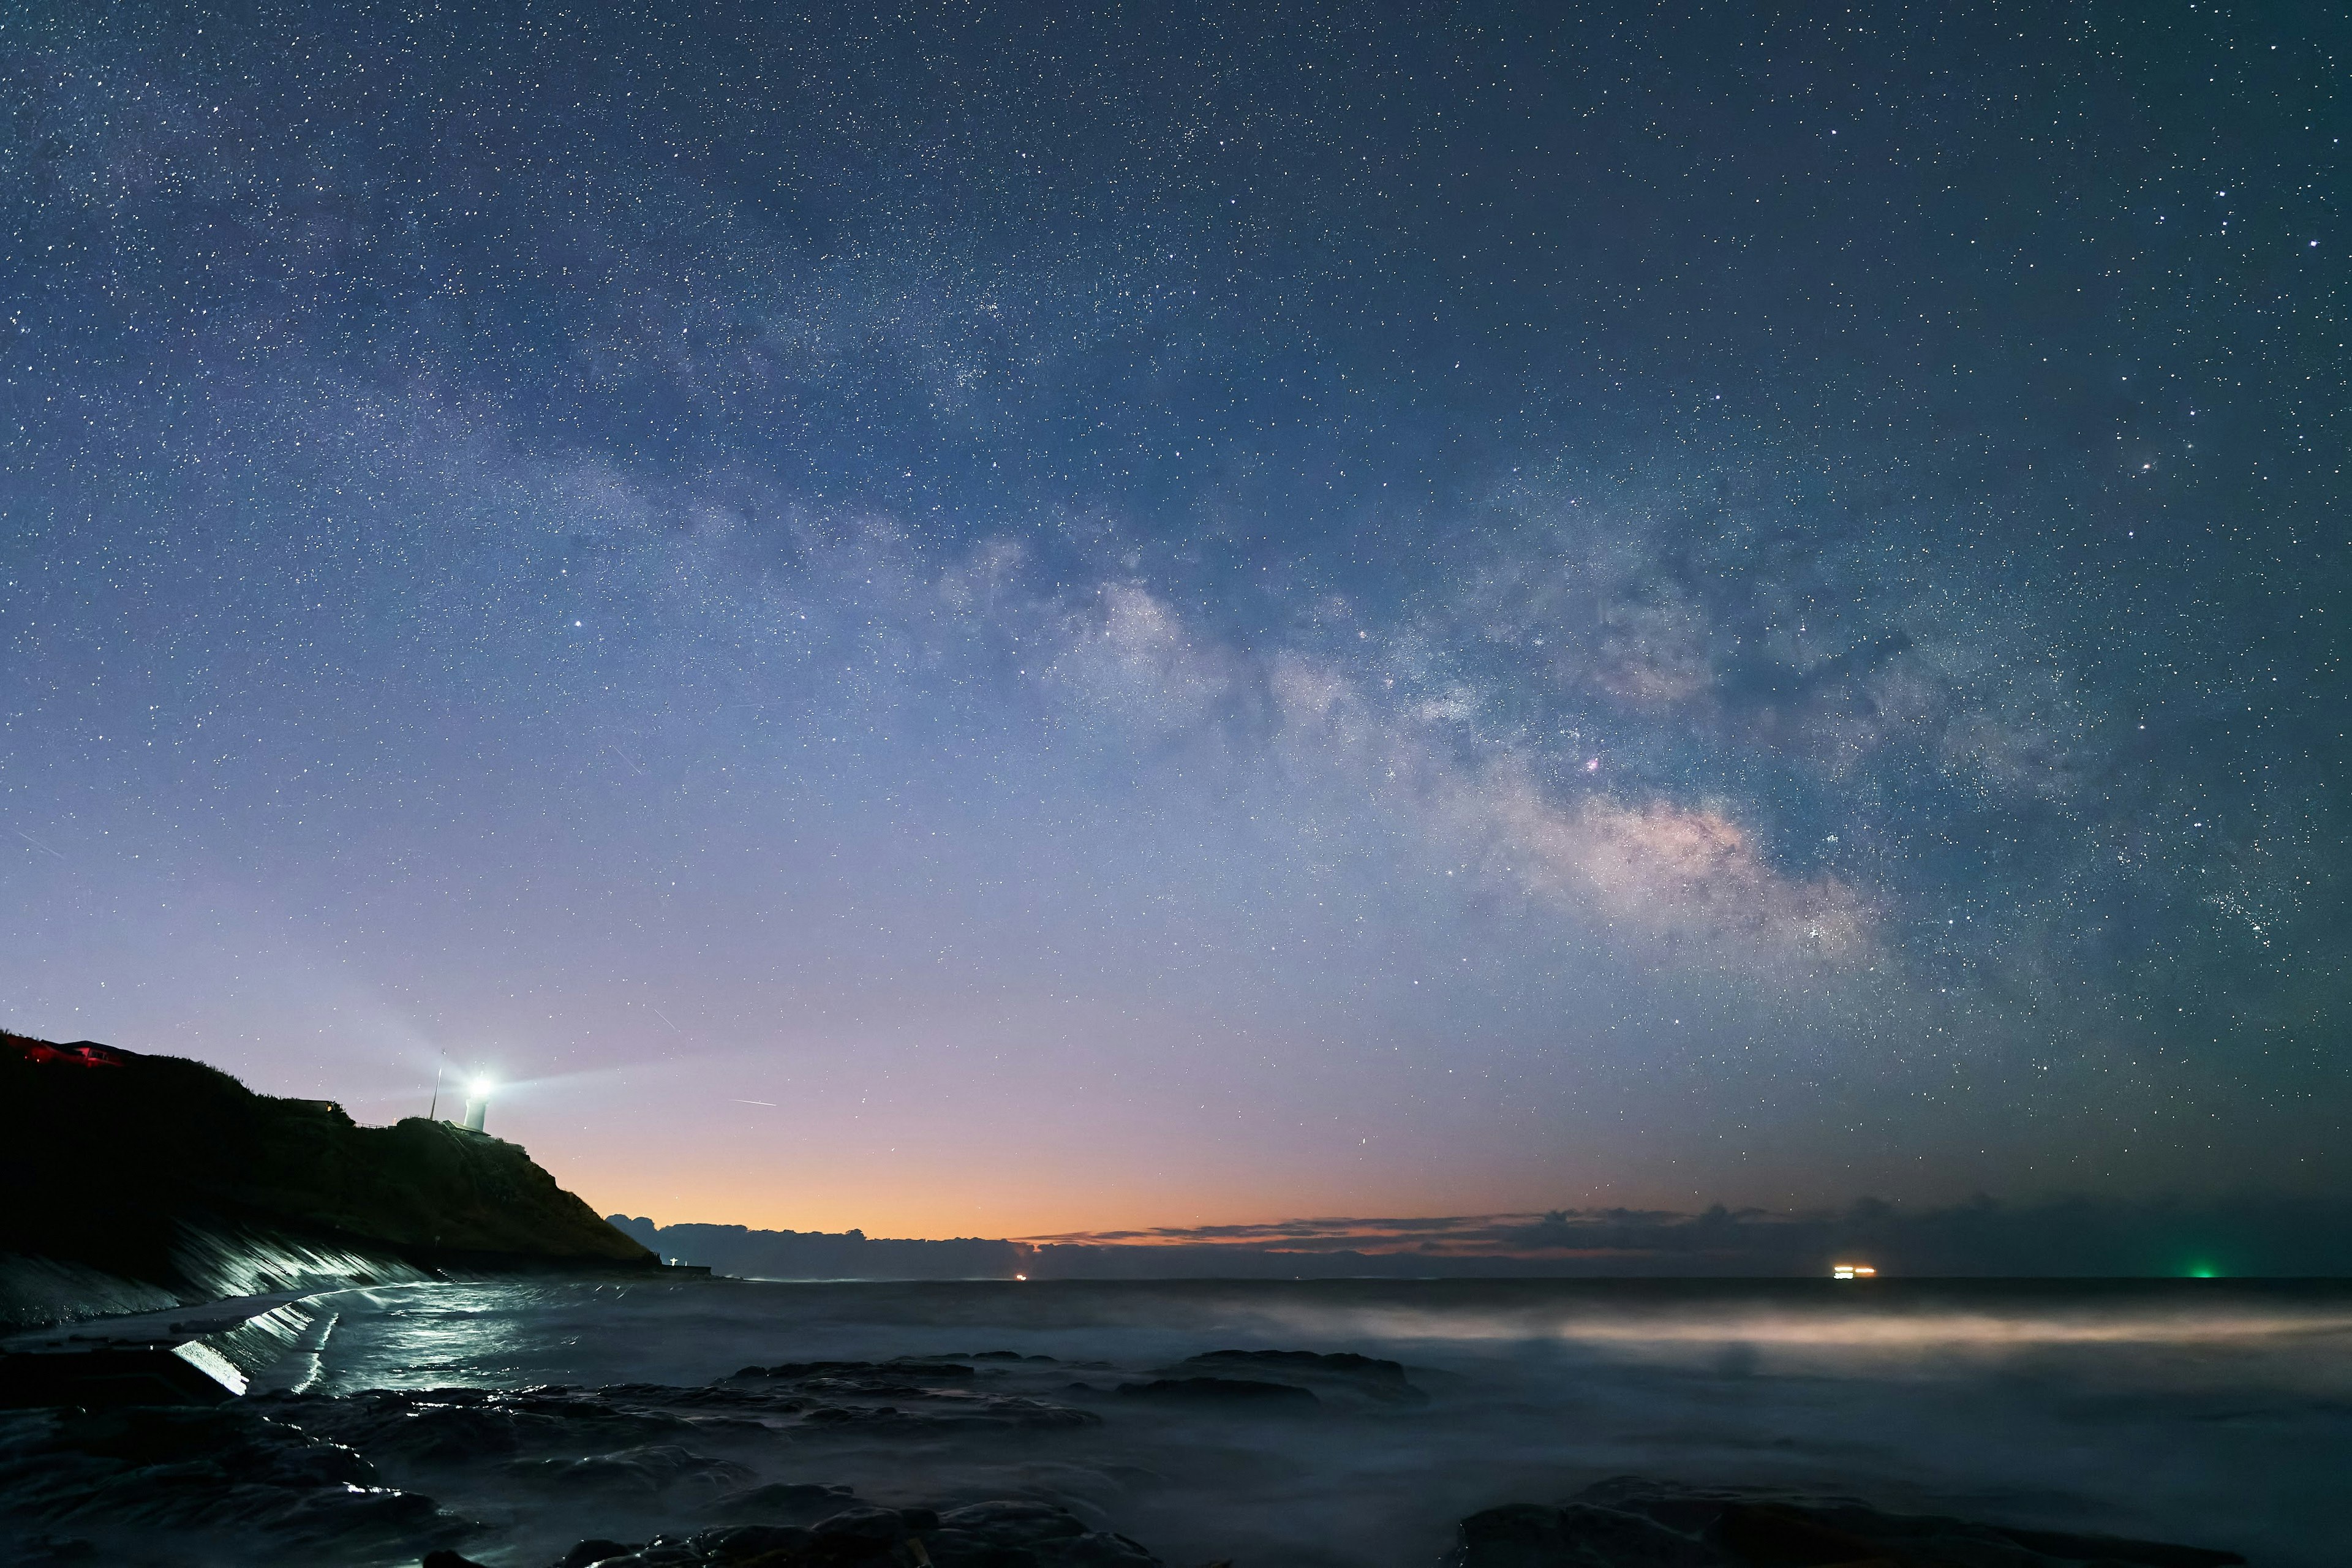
{"x":2250,"y":1234}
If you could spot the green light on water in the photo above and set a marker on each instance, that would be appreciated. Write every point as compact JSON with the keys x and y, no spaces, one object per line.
{"x":2203,"y":1271}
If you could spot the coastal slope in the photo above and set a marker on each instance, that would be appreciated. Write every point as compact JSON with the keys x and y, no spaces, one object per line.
{"x":139,"y":1181}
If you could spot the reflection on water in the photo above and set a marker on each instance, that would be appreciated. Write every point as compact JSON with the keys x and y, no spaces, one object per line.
{"x":2217,"y":1413}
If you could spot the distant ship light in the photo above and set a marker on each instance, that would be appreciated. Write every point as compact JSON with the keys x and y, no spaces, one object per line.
{"x":1852,"y":1272}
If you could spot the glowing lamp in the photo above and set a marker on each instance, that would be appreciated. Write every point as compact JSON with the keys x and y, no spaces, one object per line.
{"x":478,"y":1103}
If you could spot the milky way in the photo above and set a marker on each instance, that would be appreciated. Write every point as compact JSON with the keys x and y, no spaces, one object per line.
{"x":992,"y":621}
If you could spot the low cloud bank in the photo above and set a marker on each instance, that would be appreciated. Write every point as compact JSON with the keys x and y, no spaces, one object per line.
{"x":2274,"y":1236}
{"x":818,"y":1255}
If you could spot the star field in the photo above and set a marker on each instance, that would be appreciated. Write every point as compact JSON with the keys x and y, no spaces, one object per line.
{"x":1149,"y":617}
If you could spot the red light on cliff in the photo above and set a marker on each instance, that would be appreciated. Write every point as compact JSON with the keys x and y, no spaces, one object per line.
{"x":82,"y":1053}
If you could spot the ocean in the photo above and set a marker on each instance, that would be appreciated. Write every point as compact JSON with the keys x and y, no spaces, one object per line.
{"x":2216,"y":1413}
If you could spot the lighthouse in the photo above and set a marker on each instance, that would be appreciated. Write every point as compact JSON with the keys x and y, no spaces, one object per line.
{"x":478,"y":1103}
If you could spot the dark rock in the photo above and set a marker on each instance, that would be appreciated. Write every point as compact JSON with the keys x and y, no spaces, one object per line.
{"x":1021,"y":1534}
{"x":788,"y":1500}
{"x":1002,"y":1534}
{"x":648,"y":1471}
{"x":444,"y":1558}
{"x":1341,"y":1363}
{"x":659,"y":1554}
{"x":1232,"y":1392}
{"x":171,"y":1175}
{"x":242,"y":1446}
{"x":38,"y":1551}
{"x":1577,"y":1535}
{"x":874,"y":1388}
{"x":750,"y":1542}
{"x":455,"y":1426}
{"x":2104,"y":1549}
{"x":429,"y":1433}
{"x":588,"y":1552}
{"x":904,"y":1367}
{"x":1629,"y":1522}
{"x":886,"y":1526}
{"x":111,"y":1376}
{"x":221,"y":1480}
{"x":724,"y":1396}
{"x":1002,"y":1413}
{"x":1368,"y":1376}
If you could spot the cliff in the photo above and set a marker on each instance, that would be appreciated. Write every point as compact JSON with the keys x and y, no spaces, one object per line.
{"x":136,"y":1179}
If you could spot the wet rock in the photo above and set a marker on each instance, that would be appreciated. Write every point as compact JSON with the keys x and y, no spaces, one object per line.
{"x":726,"y":1395}
{"x":648,"y":1471}
{"x":429,"y":1433}
{"x":749,"y":1543}
{"x":1629,"y":1522}
{"x":42,"y":1551}
{"x":100,"y":1377}
{"x":240,"y":1447}
{"x":787,"y":1501}
{"x":883,"y":1527}
{"x":658,"y":1553}
{"x":1370,"y":1377}
{"x":989,"y":1534}
{"x":48,"y":1553}
{"x":590,"y":1551}
{"x":1224,"y":1392}
{"x":221,"y":1480}
{"x":1577,"y":1535}
{"x":447,"y":1428}
{"x":1340,"y":1363}
{"x":1002,"y":1534}
{"x":904,"y":1367}
{"x":877,"y":1388}
{"x":1003,"y":1413}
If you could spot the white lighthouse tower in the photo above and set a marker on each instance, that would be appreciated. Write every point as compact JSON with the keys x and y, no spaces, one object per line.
{"x":478,"y":1103}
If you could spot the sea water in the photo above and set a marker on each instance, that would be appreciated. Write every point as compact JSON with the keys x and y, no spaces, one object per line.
{"x":2209,"y":1412}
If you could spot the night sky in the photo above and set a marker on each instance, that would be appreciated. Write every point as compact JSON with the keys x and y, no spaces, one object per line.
{"x":1001,"y":619}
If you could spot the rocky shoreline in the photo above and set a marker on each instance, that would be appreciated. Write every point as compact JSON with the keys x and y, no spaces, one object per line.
{"x":719,"y":1476}
{"x":141,"y":1182}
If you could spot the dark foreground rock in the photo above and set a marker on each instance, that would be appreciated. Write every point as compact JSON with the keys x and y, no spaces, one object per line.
{"x":783,"y":1502}
{"x":1220,"y":1392}
{"x":1005,"y":1534}
{"x":652,"y":1442}
{"x":654,"y":1470}
{"x":931,"y":1369}
{"x":426,"y":1427}
{"x":1368,"y":1377}
{"x":1629,"y":1522}
{"x":198,"y":1484}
